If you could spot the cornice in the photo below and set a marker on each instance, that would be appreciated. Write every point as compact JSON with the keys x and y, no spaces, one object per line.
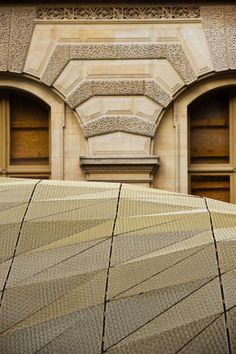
{"x":102,"y":164}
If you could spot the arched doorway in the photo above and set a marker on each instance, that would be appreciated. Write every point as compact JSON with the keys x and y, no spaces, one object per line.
{"x":56,"y":113}
{"x":186,"y":167}
{"x":212,"y":143}
{"x":24,"y":130}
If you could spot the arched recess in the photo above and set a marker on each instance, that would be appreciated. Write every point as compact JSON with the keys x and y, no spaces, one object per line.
{"x":180,"y":113}
{"x":56,"y":116}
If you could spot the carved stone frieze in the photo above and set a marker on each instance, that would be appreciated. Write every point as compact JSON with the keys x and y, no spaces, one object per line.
{"x":117,"y":13}
{"x":63,"y":53}
{"x":22,"y":25}
{"x":148,"y":13}
{"x":5,"y":20}
{"x":90,"y":88}
{"x":114,"y":123}
{"x":215,"y":29}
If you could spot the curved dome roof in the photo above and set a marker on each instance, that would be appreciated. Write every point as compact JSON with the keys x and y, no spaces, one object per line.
{"x":97,"y":267}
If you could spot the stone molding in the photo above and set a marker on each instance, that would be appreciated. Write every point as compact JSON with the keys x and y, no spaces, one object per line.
{"x":100,"y":164}
{"x":63,"y":53}
{"x":16,"y":29}
{"x":125,"y":169}
{"x":123,"y":123}
{"x":89,"y":88}
{"x":102,"y":13}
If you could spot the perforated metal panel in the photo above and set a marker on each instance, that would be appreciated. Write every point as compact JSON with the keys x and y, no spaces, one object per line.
{"x":97,"y":267}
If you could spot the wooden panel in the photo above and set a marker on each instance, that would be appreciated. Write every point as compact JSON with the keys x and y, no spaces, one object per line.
{"x":209,"y":129}
{"x":215,"y":187}
{"x":29,"y":135}
{"x":27,"y":112}
{"x":209,"y":145}
{"x":29,"y":146}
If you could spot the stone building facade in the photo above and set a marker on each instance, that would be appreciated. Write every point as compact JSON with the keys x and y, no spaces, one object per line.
{"x":136,"y":93}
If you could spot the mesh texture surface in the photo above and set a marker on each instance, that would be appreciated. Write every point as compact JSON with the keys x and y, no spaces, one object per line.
{"x":96,"y":267}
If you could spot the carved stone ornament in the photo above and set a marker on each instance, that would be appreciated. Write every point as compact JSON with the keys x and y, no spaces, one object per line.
{"x":117,"y":13}
{"x":22,"y":26}
{"x":214,"y":26}
{"x":230,"y":18}
{"x":16,"y":28}
{"x":89,"y":88}
{"x":64,"y":52}
{"x":124,"y":123}
{"x":219,"y":24}
{"x":5,"y":20}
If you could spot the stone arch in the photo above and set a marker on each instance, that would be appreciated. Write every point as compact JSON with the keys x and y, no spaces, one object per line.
{"x":178,"y":112}
{"x":57,"y":116}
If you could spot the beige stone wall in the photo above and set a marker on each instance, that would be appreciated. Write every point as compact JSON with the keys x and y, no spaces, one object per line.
{"x":118,"y":70}
{"x":75,"y":145}
{"x":165,"y":146}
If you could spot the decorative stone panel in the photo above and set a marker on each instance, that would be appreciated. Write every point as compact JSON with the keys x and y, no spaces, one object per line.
{"x":90,"y":88}
{"x":177,"y":57}
{"x":22,"y":25}
{"x":63,"y":53}
{"x":215,"y":28}
{"x":5,"y":20}
{"x":156,"y":93}
{"x":58,"y":60}
{"x":125,"y":123}
{"x":16,"y":29}
{"x":230,"y":19}
{"x":116,"y":13}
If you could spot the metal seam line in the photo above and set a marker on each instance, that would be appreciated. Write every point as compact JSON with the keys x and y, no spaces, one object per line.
{"x":44,"y":346}
{"x":161,"y":313}
{"x":113,"y":298}
{"x":198,"y":334}
{"x":17,"y":241}
{"x":220,"y":280}
{"x":108,"y":270}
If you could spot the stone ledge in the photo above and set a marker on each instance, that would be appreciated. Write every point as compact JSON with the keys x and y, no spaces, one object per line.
{"x":119,"y":164}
